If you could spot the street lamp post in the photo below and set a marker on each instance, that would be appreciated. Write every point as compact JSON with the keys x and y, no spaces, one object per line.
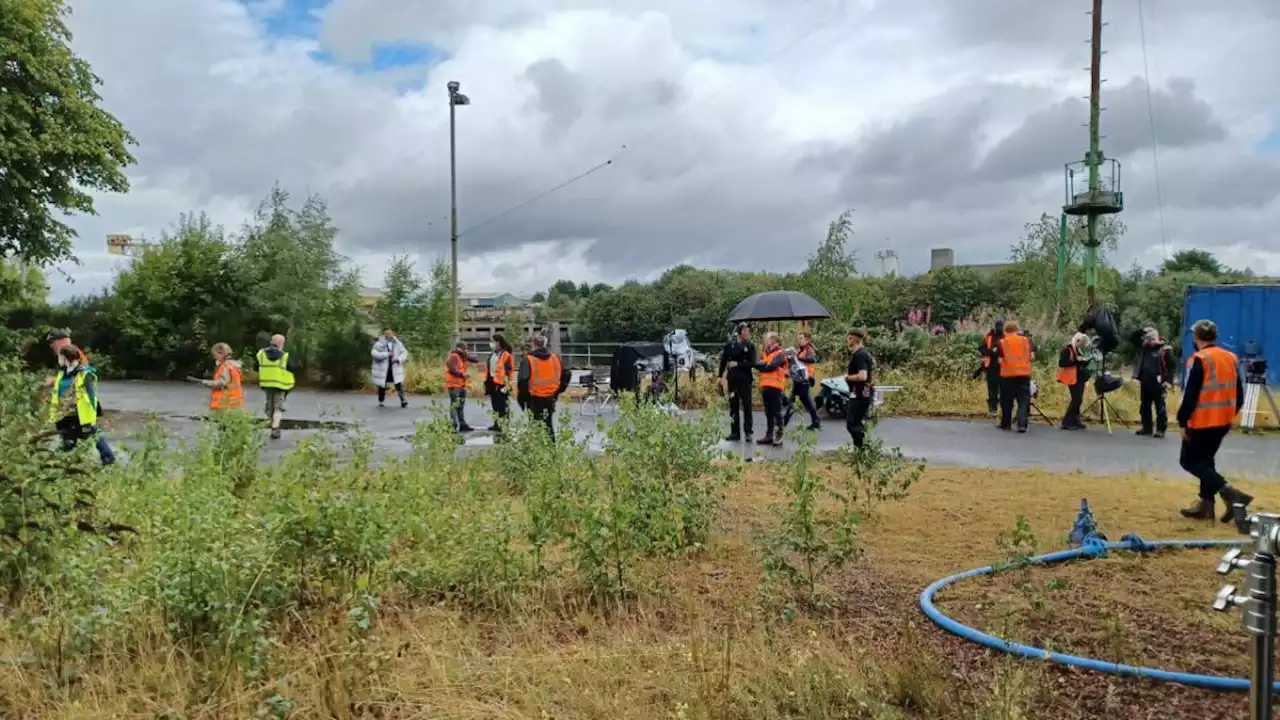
{"x":455,"y":99}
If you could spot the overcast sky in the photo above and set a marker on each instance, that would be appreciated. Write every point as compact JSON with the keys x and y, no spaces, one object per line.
{"x":737,"y":128}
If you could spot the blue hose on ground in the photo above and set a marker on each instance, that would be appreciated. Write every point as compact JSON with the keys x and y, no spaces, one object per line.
{"x":1092,"y":548}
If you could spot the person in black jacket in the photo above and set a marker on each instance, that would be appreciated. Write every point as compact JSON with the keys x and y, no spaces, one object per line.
{"x":989,"y":349}
{"x":1154,"y":373}
{"x":737,"y":359}
{"x":1205,"y":422}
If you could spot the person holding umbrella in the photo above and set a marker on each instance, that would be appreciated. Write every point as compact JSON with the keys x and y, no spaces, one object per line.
{"x":770,"y":306}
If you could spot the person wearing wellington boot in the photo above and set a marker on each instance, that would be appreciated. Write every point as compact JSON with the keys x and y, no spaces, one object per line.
{"x":1212,"y":395}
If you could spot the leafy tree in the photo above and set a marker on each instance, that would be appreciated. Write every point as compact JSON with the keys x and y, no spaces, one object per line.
{"x":1201,"y":261}
{"x":538,"y":297}
{"x":22,"y":285}
{"x":404,"y":302}
{"x":178,"y":299}
{"x":58,"y":146}
{"x":436,"y":329}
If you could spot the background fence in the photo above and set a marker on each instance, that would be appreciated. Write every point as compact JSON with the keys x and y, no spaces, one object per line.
{"x":583,"y":356}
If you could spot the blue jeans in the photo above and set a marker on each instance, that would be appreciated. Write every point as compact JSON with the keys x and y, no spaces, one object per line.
{"x":73,"y":434}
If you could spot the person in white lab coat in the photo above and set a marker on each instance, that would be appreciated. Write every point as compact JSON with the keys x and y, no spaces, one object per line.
{"x":389,"y":356}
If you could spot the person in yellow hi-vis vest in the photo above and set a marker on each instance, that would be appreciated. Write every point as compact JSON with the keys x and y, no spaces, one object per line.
{"x":73,"y":403}
{"x":275,"y":377}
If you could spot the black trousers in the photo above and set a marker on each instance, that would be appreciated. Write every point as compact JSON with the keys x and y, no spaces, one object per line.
{"x":1198,"y":455}
{"x":544,"y":410}
{"x":1153,"y":396}
{"x":773,"y":398}
{"x":802,"y":391}
{"x":855,"y":418}
{"x":1071,"y":418}
{"x":740,"y":401}
{"x":390,"y":379}
{"x":501,"y":405}
{"x":1015,"y":389}
{"x":993,"y":388}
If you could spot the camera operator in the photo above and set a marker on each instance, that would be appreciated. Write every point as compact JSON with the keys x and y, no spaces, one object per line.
{"x":1211,"y":398}
{"x":738,"y":358}
{"x":1154,"y":373}
{"x":1073,"y":371}
{"x":989,"y":349}
{"x":1016,"y":353}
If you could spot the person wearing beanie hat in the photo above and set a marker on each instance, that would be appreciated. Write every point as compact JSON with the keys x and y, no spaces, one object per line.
{"x":1154,"y":372}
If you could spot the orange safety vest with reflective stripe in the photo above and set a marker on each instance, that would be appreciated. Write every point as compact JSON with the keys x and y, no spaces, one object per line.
{"x":231,"y":395}
{"x":776,"y":378}
{"x":451,"y":381}
{"x":1068,"y":375}
{"x":986,"y":359}
{"x":1216,"y":404}
{"x":499,"y":374}
{"x":544,"y":375}
{"x":1015,"y":356}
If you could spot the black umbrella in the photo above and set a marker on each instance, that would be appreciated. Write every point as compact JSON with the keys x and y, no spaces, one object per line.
{"x":779,"y":305}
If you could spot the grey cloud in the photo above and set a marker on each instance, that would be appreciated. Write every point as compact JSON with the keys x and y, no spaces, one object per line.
{"x":1181,"y":120}
{"x":727,"y":181}
{"x":558,"y":94}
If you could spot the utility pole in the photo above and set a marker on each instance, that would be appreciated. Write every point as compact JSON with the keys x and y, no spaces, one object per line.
{"x":1095,"y":152}
{"x":1101,"y":198}
{"x":455,"y":99}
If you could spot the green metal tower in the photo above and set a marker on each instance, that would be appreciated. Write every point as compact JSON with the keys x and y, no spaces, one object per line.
{"x":1103,"y":195}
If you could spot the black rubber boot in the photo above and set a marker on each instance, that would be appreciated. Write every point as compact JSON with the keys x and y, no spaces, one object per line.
{"x":1233,"y":497}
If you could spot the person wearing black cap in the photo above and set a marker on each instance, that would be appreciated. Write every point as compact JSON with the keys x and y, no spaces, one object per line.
{"x":737,"y":359}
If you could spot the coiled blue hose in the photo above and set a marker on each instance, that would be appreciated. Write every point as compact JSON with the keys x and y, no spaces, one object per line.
{"x":1092,"y":548}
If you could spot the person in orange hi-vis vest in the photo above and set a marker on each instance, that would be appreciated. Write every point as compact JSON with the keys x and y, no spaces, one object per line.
{"x":990,"y":351}
{"x":773,"y":383}
{"x":1211,"y":396}
{"x":542,"y":378}
{"x":499,"y":373}
{"x":1073,"y":371}
{"x":1016,"y":354}
{"x":226,"y":389}
{"x":455,"y":381}
{"x":807,"y":355}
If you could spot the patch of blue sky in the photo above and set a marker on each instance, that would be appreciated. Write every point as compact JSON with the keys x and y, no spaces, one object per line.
{"x":1270,"y":143}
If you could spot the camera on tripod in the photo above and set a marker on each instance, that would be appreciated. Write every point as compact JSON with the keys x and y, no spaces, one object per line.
{"x":1255,"y":365}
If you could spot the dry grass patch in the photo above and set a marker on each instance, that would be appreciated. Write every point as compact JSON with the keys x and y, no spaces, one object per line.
{"x":697,"y":643}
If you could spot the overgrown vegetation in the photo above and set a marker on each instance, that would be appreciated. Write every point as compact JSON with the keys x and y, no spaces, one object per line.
{"x":535,"y":578}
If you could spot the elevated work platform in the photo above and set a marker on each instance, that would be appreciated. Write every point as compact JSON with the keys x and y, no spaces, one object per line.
{"x":1106,"y":200}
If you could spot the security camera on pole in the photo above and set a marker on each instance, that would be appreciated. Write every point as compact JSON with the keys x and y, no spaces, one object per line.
{"x":455,"y":99}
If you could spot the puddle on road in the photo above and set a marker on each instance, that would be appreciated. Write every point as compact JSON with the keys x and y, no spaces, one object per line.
{"x":286,"y":423}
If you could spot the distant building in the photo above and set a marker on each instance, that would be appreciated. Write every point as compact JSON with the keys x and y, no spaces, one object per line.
{"x":369,"y":297}
{"x":492,"y":300}
{"x":940,"y":258}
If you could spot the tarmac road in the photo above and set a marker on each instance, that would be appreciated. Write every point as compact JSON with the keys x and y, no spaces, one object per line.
{"x":939,"y":442}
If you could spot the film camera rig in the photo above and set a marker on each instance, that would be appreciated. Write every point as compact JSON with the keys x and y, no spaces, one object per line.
{"x":1254,"y":369}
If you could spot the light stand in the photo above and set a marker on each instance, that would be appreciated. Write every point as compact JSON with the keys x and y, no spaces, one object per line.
{"x":1258,"y":601}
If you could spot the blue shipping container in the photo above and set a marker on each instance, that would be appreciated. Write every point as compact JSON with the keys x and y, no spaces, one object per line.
{"x":1243,"y":313}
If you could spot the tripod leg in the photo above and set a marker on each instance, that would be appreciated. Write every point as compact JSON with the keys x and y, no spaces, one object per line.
{"x":1249,"y":410}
